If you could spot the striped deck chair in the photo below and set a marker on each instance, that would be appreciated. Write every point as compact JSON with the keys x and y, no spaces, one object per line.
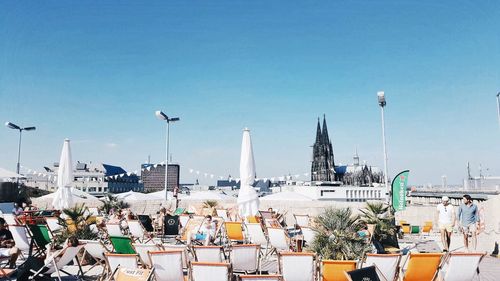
{"x":206,"y":271}
{"x":422,"y":266}
{"x":333,"y":270}
{"x":122,"y":245}
{"x":297,"y":266}
{"x":388,"y":264}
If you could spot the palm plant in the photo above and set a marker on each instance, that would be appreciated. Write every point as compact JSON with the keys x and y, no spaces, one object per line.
{"x":211,"y":205}
{"x":336,"y":235}
{"x":77,"y":223}
{"x":379,"y":215}
{"x":110,"y":202}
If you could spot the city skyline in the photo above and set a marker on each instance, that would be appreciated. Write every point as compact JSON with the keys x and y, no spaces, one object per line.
{"x":96,"y":73}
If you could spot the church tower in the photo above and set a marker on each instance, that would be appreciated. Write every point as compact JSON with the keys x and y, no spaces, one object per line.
{"x":323,"y":164}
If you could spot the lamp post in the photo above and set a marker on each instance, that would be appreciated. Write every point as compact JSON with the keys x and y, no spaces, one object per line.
{"x":498,"y":107}
{"x":16,"y":127}
{"x":162,"y":116}
{"x":382,"y":103}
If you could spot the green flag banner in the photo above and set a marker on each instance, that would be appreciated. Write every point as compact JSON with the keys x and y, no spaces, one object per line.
{"x":399,"y":184}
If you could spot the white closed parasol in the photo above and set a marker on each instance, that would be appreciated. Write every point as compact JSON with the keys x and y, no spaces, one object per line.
{"x":248,"y":199}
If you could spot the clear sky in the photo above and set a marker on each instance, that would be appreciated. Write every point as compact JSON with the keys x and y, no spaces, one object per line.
{"x":95,"y":72}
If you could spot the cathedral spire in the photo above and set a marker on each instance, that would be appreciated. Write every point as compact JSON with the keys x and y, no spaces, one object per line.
{"x":318,"y":133}
{"x":325,"y":138}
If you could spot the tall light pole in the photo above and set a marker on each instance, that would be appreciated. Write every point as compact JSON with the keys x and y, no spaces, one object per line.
{"x":382,"y":103}
{"x":162,"y":116}
{"x":16,"y":127}
{"x":498,"y":107}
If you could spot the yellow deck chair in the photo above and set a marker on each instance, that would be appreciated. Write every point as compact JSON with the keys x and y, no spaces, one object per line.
{"x":406,"y":228}
{"x":422,"y":266}
{"x":333,"y":270}
{"x":253,"y":219}
{"x":234,"y":231}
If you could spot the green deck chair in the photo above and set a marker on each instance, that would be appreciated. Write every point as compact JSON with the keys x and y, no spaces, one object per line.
{"x":40,"y":238}
{"x":179,"y":211}
{"x":415,"y":229}
{"x":122,"y":244}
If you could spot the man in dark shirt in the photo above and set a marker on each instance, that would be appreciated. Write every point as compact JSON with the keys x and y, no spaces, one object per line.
{"x":7,"y":245}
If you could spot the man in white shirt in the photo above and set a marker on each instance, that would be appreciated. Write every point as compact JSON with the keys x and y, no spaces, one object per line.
{"x":446,"y":221}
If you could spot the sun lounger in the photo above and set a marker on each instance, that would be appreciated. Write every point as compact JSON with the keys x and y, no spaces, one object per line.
{"x":297,"y":266}
{"x":462,"y":266}
{"x":245,"y":258}
{"x":122,"y":244}
{"x":58,"y":260}
{"x":128,"y":274}
{"x":333,"y":270}
{"x":370,"y":273}
{"x":168,"y":265}
{"x":143,"y":250}
{"x":208,"y":253}
{"x":388,"y":264}
{"x":206,"y":271}
{"x":422,"y":266}
{"x":123,"y":260}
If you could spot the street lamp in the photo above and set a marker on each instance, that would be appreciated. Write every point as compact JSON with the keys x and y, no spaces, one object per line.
{"x":498,"y":107}
{"x":162,"y":116}
{"x":382,"y":103}
{"x":16,"y":127}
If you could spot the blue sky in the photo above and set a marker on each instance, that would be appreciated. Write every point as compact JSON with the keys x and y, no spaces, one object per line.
{"x":96,"y":71}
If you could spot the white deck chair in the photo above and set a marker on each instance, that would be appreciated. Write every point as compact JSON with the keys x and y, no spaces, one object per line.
{"x":388,"y":264}
{"x":52,"y":265}
{"x":245,"y":258}
{"x":94,"y":228}
{"x":261,"y":277}
{"x":186,"y":258}
{"x":20,"y":237}
{"x":297,"y":266}
{"x":168,"y":265}
{"x":208,"y":253}
{"x":114,"y":229}
{"x":53,"y":224}
{"x":10,"y":219}
{"x":204,"y":271}
{"x":278,"y":239}
{"x":223,"y":214}
{"x":96,"y":250}
{"x":137,"y":231}
{"x":302,"y":220}
{"x":256,"y":234}
{"x":123,"y":260}
{"x":462,"y":266}
{"x":183,"y":219}
{"x":127,"y":274}
{"x":143,"y":249}
{"x":308,"y":234}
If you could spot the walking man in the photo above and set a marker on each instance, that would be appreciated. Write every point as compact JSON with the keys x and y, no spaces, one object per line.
{"x":446,"y":221}
{"x":468,"y":215}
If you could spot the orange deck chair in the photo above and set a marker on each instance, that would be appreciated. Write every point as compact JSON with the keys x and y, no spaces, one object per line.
{"x":333,"y":270}
{"x":422,"y":266}
{"x":234,"y":231}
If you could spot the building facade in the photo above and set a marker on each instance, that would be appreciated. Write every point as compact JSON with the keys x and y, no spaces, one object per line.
{"x":323,"y":163}
{"x":153,"y":176}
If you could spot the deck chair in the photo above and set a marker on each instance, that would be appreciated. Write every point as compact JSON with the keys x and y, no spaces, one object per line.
{"x":370,"y":273}
{"x":20,"y":236}
{"x":168,"y":265}
{"x":52,"y":264}
{"x":388,"y":264}
{"x":256,"y":234}
{"x":6,"y":272}
{"x":10,"y":219}
{"x":208,"y":253}
{"x":245,"y":258}
{"x":462,"y":266}
{"x":234,"y":231}
{"x":415,"y":229}
{"x":40,"y":238}
{"x":143,"y":250}
{"x":184,"y":218}
{"x":422,"y":266}
{"x":53,"y":224}
{"x":278,"y":239}
{"x":138,"y":232}
{"x":206,"y":271}
{"x":261,"y":277}
{"x":128,"y":274}
{"x":406,"y":228}
{"x":266,"y":215}
{"x":185,"y":256}
{"x":96,"y":250}
{"x":272,"y":223}
{"x":302,"y":220}
{"x":333,"y":270}
{"x":123,"y":260}
{"x":308,"y":234}
{"x":223,"y":214}
{"x":297,"y":266}
{"x":113,"y":229}
{"x":191,"y":227}
{"x":179,"y":211}
{"x":171,"y":225}
{"x":122,"y":245}
{"x":146,"y":222}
